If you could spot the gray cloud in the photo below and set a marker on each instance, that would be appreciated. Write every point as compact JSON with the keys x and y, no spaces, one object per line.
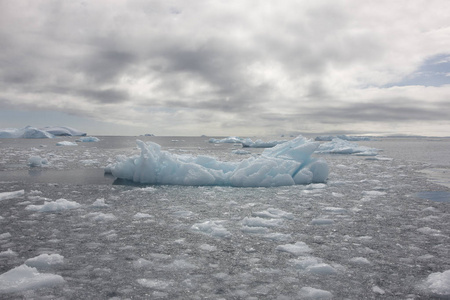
{"x":251,"y":66}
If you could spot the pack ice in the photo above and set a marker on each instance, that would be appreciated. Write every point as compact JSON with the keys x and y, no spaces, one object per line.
{"x":285,"y":164}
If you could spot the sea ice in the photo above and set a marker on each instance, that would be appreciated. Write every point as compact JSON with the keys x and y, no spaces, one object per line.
{"x":99,"y":203}
{"x":212,"y":228}
{"x":338,"y":146}
{"x":11,"y":195}
{"x":88,"y":139}
{"x":24,"y":278}
{"x":285,"y":164}
{"x":37,"y":161}
{"x":230,"y":140}
{"x":439,"y":284}
{"x":50,"y":206}
{"x":66,"y":143}
{"x":344,"y":137}
{"x":260,"y":143}
{"x":45,"y":261}
{"x":296,"y":249}
{"x":313,"y":293}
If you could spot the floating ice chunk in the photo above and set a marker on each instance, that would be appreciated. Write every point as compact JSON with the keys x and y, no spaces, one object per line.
{"x":338,"y":146}
{"x":101,"y":216}
{"x":37,"y":161}
{"x":335,"y":210}
{"x":5,"y":235}
{"x":212,"y":228}
{"x":254,"y":230}
{"x":286,"y":164}
{"x":142,"y":263}
{"x":360,"y":261}
{"x":313,"y":265}
{"x":230,"y":139}
{"x":260,"y":143}
{"x":89,"y":162}
{"x":155,"y":283}
{"x":25,"y":133}
{"x":88,"y":139}
{"x":66,"y":143}
{"x":63,"y":131}
{"x":296,"y":249}
{"x":99,"y":203}
{"x":24,"y":278}
{"x":11,"y":195}
{"x":207,"y":247}
{"x":377,"y":290}
{"x":58,"y":205}
{"x":439,"y":284}
{"x":142,"y":216}
{"x":45,"y":261}
{"x":313,"y":293}
{"x":8,"y":253}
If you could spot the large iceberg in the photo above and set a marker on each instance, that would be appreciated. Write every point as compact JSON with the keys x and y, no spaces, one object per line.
{"x":63,"y":131}
{"x":285,"y":164}
{"x":25,"y":133}
{"x":30,"y":132}
{"x":260,"y":143}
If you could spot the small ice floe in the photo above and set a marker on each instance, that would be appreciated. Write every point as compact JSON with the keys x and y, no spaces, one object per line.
{"x":66,"y":143}
{"x":156,"y":284}
{"x":89,"y":162}
{"x":360,"y":261}
{"x":99,"y":203}
{"x":11,"y":195}
{"x":438,"y":284}
{"x":313,"y":293}
{"x":377,"y":290}
{"x":45,"y":261}
{"x":212,"y":228}
{"x":8,"y":253}
{"x":51,"y":206}
{"x":313,"y":265}
{"x":88,"y":139}
{"x":142,"y":216}
{"x":98,"y":216}
{"x":335,"y":210}
{"x":37,"y":161}
{"x":25,"y":278}
{"x":373,"y":193}
{"x":296,"y":249}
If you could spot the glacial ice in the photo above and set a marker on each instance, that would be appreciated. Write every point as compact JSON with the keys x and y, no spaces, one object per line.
{"x":30,"y":132}
{"x":260,"y":143}
{"x":88,"y":139}
{"x":285,"y":164}
{"x":352,"y":138}
{"x":66,"y":143}
{"x":11,"y":195}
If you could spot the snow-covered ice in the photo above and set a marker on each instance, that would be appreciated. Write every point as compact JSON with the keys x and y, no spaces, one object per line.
{"x":438,"y":284}
{"x":286,"y":164}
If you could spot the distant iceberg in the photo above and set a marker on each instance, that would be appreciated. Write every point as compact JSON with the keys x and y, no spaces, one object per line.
{"x":285,"y":164}
{"x":30,"y":132}
{"x":344,"y":137}
{"x":63,"y":131}
{"x":230,"y":139}
{"x":261,"y":144}
{"x":339,"y":146}
{"x":25,"y":133}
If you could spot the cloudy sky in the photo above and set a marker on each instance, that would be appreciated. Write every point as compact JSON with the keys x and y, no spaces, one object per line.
{"x":213,"y":67}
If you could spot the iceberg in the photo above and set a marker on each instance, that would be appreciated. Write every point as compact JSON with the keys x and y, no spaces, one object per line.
{"x":339,"y":146}
{"x":30,"y":132}
{"x":25,"y":133}
{"x":230,"y":139}
{"x":88,"y":139}
{"x":285,"y":164}
{"x":63,"y":131}
{"x":344,"y":137}
{"x":260,"y":143}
